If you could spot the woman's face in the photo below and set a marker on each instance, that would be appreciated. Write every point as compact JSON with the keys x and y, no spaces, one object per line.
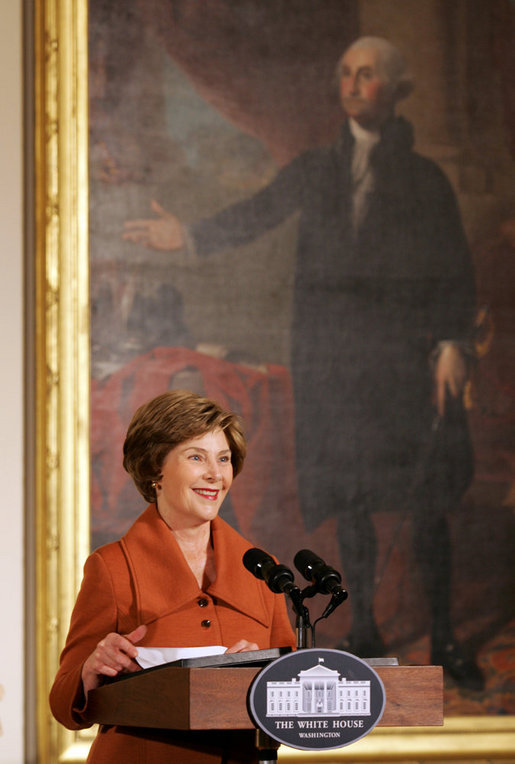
{"x":196,"y":476}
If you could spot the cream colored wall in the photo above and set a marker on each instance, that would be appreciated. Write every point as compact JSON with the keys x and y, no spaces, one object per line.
{"x":11,"y":387}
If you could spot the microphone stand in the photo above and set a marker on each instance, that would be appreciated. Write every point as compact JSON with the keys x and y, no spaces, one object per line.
{"x":267,"y":747}
{"x":303,"y":628}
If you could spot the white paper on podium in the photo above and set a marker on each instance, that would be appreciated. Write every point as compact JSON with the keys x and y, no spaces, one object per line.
{"x":155,"y":656}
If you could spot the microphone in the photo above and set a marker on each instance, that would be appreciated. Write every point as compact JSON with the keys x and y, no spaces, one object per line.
{"x":326,"y":579}
{"x":278,"y":578}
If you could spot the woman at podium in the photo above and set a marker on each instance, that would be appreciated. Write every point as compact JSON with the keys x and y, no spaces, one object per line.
{"x":175,"y":579}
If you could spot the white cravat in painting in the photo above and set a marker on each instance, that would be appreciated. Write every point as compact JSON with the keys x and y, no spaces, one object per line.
{"x":361,"y":172}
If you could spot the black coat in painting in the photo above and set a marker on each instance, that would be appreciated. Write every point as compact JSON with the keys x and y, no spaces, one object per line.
{"x":369,"y":309}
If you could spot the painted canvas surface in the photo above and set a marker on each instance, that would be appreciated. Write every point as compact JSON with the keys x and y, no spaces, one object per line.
{"x":200,"y":106}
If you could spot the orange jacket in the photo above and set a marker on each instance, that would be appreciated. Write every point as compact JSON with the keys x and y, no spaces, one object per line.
{"x":144,"y":578}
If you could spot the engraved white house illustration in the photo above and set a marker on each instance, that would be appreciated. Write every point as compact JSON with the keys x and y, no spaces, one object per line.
{"x":318,"y":691}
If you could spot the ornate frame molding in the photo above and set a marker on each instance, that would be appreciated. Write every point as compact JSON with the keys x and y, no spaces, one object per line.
{"x":62,"y":402}
{"x":62,"y":339}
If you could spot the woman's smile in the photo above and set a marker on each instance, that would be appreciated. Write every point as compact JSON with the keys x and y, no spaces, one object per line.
{"x":207,"y":493}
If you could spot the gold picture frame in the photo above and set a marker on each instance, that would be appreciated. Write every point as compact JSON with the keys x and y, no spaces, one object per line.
{"x":62,"y":400}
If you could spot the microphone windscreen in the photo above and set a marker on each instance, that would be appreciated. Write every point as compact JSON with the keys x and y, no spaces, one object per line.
{"x":253,"y":559}
{"x":305,"y":561}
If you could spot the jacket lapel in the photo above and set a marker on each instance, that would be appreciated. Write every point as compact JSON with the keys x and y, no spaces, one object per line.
{"x":234,"y":585}
{"x":163,"y":581}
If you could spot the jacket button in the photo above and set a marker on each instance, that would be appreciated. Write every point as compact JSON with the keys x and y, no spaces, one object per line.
{"x":203,"y":602}
{"x":206,"y":624}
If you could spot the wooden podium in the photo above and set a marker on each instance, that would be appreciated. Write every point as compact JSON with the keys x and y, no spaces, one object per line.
{"x":172,"y":697}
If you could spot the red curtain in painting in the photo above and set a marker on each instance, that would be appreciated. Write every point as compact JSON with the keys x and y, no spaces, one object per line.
{"x":268,"y":67}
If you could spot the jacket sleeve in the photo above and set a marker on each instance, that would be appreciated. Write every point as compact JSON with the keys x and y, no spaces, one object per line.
{"x":453,"y":298}
{"x":457,"y":287}
{"x":246,"y":220}
{"x":93,"y":617}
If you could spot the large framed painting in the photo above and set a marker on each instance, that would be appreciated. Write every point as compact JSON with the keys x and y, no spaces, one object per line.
{"x":217,"y":211}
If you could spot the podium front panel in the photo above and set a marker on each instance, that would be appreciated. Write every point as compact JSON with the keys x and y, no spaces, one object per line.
{"x":216,"y":698}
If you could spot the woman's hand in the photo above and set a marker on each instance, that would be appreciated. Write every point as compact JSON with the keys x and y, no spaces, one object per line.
{"x":242,"y":646}
{"x":114,"y":653}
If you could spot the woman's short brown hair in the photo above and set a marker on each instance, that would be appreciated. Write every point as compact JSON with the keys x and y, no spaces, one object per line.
{"x":169,"y":420}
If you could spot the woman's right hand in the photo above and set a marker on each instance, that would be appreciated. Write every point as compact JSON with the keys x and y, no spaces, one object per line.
{"x":113,"y":654}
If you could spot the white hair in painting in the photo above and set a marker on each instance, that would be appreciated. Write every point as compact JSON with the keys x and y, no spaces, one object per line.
{"x":392,"y":65}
